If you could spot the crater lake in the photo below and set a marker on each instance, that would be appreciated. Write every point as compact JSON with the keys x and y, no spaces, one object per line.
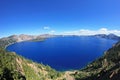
{"x":63,"y":53}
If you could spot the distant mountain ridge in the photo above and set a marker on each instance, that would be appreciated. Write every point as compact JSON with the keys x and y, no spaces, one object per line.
{"x":19,"y":38}
{"x":24,"y":37}
{"x":109,"y":36}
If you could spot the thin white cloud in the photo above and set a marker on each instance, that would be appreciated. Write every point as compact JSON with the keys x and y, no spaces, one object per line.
{"x":49,"y":30}
{"x":52,"y":31}
{"x":46,"y":28}
{"x":92,"y":32}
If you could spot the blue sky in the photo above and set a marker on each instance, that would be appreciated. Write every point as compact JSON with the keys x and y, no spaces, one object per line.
{"x":58,"y":16}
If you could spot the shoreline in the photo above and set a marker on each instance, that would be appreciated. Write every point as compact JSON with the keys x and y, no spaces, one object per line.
{"x":68,"y":69}
{"x":43,"y":40}
{"x":9,"y":44}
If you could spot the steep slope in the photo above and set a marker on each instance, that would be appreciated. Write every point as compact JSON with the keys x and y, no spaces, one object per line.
{"x":14,"y":67}
{"x":105,"y":68}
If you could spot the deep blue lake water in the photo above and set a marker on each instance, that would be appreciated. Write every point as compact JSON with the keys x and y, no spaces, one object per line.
{"x":63,"y":53}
